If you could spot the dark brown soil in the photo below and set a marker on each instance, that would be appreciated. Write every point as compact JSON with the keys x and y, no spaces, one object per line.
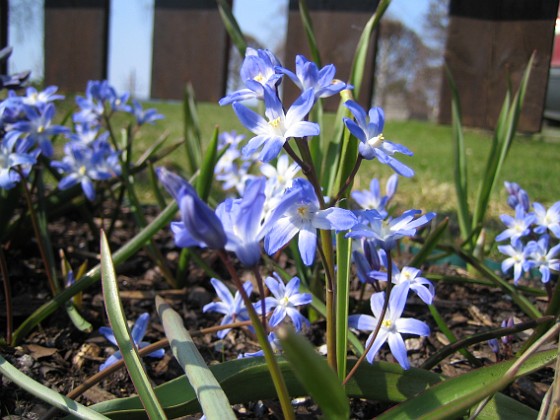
{"x":61,"y":357}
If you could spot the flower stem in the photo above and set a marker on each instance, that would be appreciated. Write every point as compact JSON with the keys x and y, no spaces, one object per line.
{"x":275,"y":373}
{"x":53,"y":285}
{"x":350,"y":178}
{"x":260,"y":286}
{"x":379,"y":320}
{"x":7,"y":296}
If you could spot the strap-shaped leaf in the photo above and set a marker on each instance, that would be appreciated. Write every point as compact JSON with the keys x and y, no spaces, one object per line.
{"x":117,"y":319}
{"x":312,"y":370}
{"x":46,"y":394}
{"x":212,"y":398}
{"x":249,"y":380}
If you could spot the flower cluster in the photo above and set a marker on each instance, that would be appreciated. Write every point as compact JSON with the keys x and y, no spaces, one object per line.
{"x":90,"y":155}
{"x":532,"y":234}
{"x":270,"y":205}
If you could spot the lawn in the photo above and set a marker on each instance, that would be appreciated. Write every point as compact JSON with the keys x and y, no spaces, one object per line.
{"x":531,"y":162}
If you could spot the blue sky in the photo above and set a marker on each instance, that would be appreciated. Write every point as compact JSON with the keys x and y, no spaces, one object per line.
{"x":131,"y":29}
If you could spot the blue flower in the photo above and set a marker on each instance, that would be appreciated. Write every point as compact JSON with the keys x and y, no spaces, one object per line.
{"x":138,"y":332}
{"x":547,"y":219}
{"x":386,"y":231}
{"x":148,"y":116}
{"x":543,"y":258}
{"x":367,"y":262}
{"x":517,"y":195}
{"x":257,"y":71}
{"x":517,"y":258}
{"x":272,"y":134}
{"x":274,"y":344}
{"x":88,"y":134}
{"x":231,"y":306}
{"x":372,"y":143}
{"x":284,"y":300}
{"x":372,"y":199}
{"x":299,"y":213}
{"x":38,"y":99}
{"x":308,"y":76}
{"x":241,"y":219}
{"x":392,"y":325}
{"x":199,"y":225}
{"x":84,"y":164}
{"x":517,"y":226}
{"x":38,"y":127}
{"x":14,"y":157}
{"x":421,"y":285}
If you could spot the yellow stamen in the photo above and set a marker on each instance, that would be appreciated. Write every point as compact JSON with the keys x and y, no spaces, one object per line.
{"x":387,"y":323}
{"x":275,"y":122}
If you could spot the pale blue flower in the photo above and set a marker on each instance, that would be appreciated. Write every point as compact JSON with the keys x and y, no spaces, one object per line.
{"x":543,"y":258}
{"x":231,"y":306}
{"x":14,"y":157}
{"x":257,"y":71}
{"x":284,"y":300}
{"x":547,"y":219}
{"x":387,"y":231}
{"x":36,"y":98}
{"x":372,"y":199}
{"x":138,"y":332}
{"x":83,"y":164}
{"x":241,"y":219}
{"x":299,"y":213}
{"x":372,"y":143}
{"x":272,"y":134}
{"x":308,"y":76}
{"x":199,"y":225}
{"x":39,"y":128}
{"x":517,"y":195}
{"x":148,"y":116}
{"x":517,"y":226}
{"x":392,"y":325}
{"x":518,"y":255}
{"x":421,"y":285}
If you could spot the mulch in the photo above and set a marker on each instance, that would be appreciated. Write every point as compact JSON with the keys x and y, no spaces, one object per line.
{"x":59,"y":356}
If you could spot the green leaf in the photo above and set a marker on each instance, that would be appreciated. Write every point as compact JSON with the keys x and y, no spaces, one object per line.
{"x":309,"y":32}
{"x":206,"y":175}
{"x":248,"y":380}
{"x":461,"y":180}
{"x":476,"y":382}
{"x":232,"y":27}
{"x":46,"y":394}
{"x":343,"y":271}
{"x":312,"y":370}
{"x":191,"y":131}
{"x":117,"y":319}
{"x":212,"y":398}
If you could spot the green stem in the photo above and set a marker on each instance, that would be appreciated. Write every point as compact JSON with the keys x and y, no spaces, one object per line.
{"x":40,"y":243}
{"x":379,"y":320}
{"x":7,"y":296}
{"x":272,"y":363}
{"x":350,"y":178}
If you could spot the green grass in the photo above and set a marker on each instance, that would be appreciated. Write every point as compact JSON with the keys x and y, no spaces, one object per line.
{"x":531,"y":161}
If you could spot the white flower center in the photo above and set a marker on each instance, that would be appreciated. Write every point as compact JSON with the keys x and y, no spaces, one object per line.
{"x":376,"y":141}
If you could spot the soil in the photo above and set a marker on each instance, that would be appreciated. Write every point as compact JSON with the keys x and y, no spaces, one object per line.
{"x":61,"y":357}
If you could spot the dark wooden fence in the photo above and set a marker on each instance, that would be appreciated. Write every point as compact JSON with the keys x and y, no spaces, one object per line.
{"x":489,"y":41}
{"x":337,"y":26}
{"x":75,"y":42}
